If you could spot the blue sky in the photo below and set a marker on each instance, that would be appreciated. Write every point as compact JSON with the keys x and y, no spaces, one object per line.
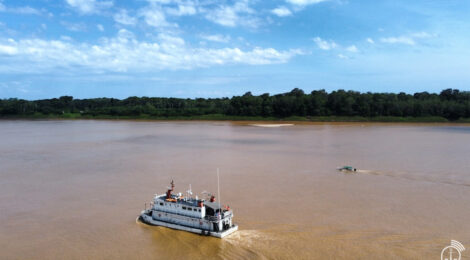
{"x":208,"y":48}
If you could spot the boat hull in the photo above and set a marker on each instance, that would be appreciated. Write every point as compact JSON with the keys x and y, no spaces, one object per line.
{"x":221,"y":234}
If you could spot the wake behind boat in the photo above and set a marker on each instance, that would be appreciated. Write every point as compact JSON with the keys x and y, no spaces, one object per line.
{"x":189,"y":214}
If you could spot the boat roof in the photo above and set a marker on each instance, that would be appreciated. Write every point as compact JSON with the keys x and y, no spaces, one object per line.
{"x":192,"y":202}
{"x":189,"y":202}
{"x":214,"y":205}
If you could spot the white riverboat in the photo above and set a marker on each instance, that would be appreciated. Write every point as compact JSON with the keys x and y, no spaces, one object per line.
{"x":189,"y":214}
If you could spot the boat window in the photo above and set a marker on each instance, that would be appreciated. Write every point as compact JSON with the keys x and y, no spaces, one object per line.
{"x":199,"y":210}
{"x":189,"y":208}
{"x":184,"y":207}
{"x":195,"y":209}
{"x":161,"y":203}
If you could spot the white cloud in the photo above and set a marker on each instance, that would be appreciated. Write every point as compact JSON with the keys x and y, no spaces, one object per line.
{"x":225,"y":16}
{"x":216,"y":38}
{"x":304,"y":2}
{"x":8,"y":49}
{"x":325,"y":45}
{"x":281,"y":11}
{"x":170,"y":41}
{"x":225,"y":13}
{"x":421,"y":35}
{"x":344,"y":57}
{"x":89,"y":6}
{"x":369,"y":40}
{"x":124,"y":35}
{"x":231,"y":16}
{"x":352,"y":48}
{"x":123,"y":18}
{"x":187,"y":8}
{"x":66,"y":38}
{"x":409,"y":39}
{"x":155,"y":17}
{"x":328,"y":45}
{"x":74,"y":27}
{"x":19,"y":10}
{"x":161,"y":1}
{"x":100,"y":27}
{"x":25,"y":10}
{"x":125,"y":53}
{"x":400,"y":40}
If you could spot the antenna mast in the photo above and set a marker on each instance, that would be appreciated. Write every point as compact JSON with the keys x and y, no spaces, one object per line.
{"x":190,"y":192}
{"x":218,"y":190}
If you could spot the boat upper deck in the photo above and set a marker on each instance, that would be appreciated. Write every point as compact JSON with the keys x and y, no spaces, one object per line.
{"x":189,"y":206}
{"x":179,"y":200}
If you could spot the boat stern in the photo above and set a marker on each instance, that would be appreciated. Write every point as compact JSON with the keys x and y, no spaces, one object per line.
{"x":225,"y":232}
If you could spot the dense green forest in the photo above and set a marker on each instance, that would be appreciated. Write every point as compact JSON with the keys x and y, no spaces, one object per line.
{"x":450,"y":104}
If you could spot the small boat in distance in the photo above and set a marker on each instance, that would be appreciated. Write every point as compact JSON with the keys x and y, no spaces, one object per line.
{"x":346,"y":169}
{"x":189,"y":214}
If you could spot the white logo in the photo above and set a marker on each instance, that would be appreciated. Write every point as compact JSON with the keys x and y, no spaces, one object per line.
{"x":448,"y":252}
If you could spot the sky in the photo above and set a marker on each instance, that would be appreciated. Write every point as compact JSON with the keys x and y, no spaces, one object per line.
{"x":218,"y":48}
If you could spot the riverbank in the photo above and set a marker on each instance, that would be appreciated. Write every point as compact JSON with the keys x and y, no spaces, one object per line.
{"x":219,"y":117}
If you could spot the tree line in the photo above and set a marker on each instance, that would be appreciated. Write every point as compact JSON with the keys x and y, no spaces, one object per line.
{"x":451,"y":104}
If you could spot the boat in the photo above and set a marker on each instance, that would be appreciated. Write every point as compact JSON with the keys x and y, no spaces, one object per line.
{"x":347,"y":169}
{"x":201,"y":216}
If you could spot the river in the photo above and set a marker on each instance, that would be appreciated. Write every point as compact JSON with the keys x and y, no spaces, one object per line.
{"x":73,"y":189}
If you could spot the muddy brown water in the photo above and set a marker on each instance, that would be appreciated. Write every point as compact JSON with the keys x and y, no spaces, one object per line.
{"x":73,"y":189}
